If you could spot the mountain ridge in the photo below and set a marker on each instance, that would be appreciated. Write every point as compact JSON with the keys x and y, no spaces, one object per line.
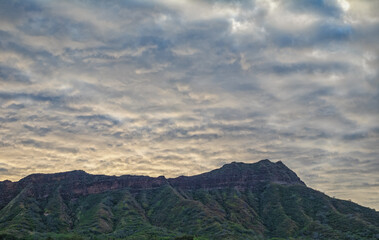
{"x":79,"y":171}
{"x":229,"y":175}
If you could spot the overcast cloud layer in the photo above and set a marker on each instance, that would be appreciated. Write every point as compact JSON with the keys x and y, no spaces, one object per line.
{"x":182,"y":87}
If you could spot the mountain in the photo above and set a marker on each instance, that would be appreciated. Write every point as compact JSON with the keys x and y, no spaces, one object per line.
{"x":263,"y":200}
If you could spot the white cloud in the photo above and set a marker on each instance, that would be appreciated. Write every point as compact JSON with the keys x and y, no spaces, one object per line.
{"x":115,"y":87}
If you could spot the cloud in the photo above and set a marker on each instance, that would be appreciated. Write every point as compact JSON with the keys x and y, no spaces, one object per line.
{"x":107,"y":120}
{"x":147,"y":87}
{"x":41,"y":131}
{"x":12,"y":75}
{"x":327,"y":9}
{"x":47,"y":146}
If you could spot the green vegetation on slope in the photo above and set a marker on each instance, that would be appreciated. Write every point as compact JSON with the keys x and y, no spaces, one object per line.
{"x":277,"y":211}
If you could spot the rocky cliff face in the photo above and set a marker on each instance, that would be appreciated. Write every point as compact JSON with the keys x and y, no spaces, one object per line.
{"x":241,"y":176}
{"x":73,"y":184}
{"x":79,"y":183}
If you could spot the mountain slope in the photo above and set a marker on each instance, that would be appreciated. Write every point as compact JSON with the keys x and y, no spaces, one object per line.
{"x":238,"y":201}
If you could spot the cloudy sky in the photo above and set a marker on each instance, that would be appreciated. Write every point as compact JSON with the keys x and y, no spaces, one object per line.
{"x":182,"y":87}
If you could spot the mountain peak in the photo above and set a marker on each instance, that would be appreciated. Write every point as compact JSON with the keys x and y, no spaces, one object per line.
{"x":263,"y":170}
{"x":242,"y":175}
{"x":267,"y":162}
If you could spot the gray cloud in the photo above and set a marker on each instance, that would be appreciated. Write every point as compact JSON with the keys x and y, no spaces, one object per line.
{"x":47,"y":146}
{"x":41,"y":131}
{"x":9,"y":74}
{"x":326,"y":9}
{"x":142,"y":87}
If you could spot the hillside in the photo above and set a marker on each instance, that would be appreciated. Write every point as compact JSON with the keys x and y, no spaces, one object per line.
{"x":263,"y":200}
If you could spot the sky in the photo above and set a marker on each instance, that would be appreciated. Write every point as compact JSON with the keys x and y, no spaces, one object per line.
{"x":182,"y":87}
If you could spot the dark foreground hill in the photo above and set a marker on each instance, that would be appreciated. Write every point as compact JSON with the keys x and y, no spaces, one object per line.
{"x":264,"y":200}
